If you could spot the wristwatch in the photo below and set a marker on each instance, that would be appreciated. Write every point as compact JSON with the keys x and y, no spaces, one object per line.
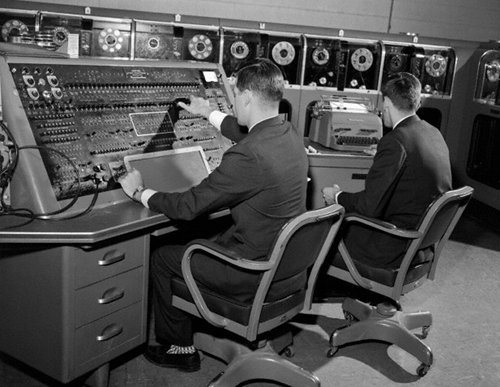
{"x":138,"y":193}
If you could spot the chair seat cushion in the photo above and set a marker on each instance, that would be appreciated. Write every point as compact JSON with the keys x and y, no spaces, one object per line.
{"x":419,"y":267}
{"x":239,"y":310}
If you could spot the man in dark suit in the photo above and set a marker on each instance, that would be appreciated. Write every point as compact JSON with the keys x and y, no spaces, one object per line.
{"x":262,"y":180}
{"x":411,"y":167}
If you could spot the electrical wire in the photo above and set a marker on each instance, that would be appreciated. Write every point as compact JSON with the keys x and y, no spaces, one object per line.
{"x":8,"y":172}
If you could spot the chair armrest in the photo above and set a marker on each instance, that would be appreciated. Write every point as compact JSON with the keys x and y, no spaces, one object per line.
{"x":377,"y":224}
{"x":226,"y":255}
{"x":220,"y":253}
{"x":383,"y":226}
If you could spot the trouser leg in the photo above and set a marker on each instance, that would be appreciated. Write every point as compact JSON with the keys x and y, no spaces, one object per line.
{"x":172,"y":325}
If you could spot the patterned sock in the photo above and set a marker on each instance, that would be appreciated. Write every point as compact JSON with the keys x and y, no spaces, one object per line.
{"x":178,"y":350}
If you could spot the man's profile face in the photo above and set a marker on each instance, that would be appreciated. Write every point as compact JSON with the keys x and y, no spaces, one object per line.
{"x":386,"y":117}
{"x":239,"y":110}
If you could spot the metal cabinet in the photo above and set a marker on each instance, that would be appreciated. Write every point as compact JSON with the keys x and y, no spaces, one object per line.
{"x":67,"y":310}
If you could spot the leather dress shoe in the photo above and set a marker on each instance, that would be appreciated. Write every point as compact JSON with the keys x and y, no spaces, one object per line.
{"x":157,"y":354}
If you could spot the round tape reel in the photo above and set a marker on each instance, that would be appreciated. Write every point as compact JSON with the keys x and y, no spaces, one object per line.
{"x":320,"y":56}
{"x":60,"y":35}
{"x":239,"y":49}
{"x":200,"y":46}
{"x":110,"y":40}
{"x":13,"y":27}
{"x":283,"y":53}
{"x":435,"y":65}
{"x":396,"y":63}
{"x":154,"y":43}
{"x":362,"y":59}
{"x":493,"y":71}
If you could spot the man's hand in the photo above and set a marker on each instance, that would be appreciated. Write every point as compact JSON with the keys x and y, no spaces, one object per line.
{"x":329,"y":194}
{"x":198,"y":106}
{"x":130,"y":182}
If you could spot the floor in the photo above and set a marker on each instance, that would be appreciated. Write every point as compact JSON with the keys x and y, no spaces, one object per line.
{"x":464,"y":337}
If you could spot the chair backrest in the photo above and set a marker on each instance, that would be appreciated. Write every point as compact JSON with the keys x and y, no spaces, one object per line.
{"x":300,"y":247}
{"x":286,"y":280}
{"x":436,"y":227}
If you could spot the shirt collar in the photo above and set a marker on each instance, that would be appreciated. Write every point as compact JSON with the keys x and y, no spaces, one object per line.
{"x":265,"y":119}
{"x":402,"y":119}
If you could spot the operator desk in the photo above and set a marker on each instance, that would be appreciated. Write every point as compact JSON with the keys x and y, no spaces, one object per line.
{"x":328,"y":167}
{"x":74,"y":292}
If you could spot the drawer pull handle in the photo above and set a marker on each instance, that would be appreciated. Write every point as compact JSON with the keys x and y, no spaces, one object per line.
{"x":111,"y":295}
{"x":109,"y":259}
{"x":109,"y":332}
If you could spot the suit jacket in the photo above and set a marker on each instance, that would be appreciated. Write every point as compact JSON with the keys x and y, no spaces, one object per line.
{"x":262,"y":179}
{"x":411,"y":167}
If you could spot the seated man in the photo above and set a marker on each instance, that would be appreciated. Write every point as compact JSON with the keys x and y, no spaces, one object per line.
{"x":262,"y":180}
{"x":411,"y":167}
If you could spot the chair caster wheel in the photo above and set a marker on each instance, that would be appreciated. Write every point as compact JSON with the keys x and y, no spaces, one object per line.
{"x":425,"y":331}
{"x":332,"y":351}
{"x":289,"y":352}
{"x":423,"y":369}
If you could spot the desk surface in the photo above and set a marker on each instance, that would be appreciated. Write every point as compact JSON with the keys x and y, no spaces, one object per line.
{"x":97,"y":226}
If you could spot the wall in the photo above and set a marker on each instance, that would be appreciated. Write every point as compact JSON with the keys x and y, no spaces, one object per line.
{"x":451,"y":19}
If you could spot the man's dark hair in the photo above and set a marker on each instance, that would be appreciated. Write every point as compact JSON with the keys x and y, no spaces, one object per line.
{"x":263,"y":77}
{"x":403,"y":89}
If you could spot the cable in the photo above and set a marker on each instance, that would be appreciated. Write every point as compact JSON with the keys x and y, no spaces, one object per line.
{"x":6,"y":177}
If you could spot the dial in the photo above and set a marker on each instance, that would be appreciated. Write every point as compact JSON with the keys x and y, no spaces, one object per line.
{"x":283,"y":53}
{"x":362,"y":59}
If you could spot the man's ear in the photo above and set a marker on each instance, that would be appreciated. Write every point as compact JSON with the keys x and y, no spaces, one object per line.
{"x":246,"y":97}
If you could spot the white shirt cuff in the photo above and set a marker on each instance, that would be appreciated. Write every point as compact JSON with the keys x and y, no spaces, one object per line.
{"x":146,"y":194}
{"x":337,"y":197}
{"x":216,"y":118}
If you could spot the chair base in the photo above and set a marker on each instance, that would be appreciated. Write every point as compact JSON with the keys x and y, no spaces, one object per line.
{"x":384,"y":323}
{"x":245,"y":364}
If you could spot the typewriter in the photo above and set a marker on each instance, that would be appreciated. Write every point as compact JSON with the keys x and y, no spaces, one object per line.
{"x":345,"y":124}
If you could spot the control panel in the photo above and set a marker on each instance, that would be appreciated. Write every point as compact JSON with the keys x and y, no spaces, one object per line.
{"x":7,"y":162}
{"x":85,"y":115}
